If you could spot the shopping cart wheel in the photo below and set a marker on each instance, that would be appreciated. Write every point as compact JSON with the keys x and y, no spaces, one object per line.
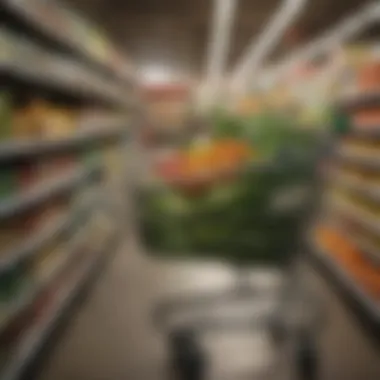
{"x":307,"y":358}
{"x":187,"y":358}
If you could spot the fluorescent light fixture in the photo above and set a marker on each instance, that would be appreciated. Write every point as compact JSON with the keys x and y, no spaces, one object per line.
{"x":259,"y":48}
{"x":224,"y":12}
{"x":332,"y":39}
{"x":223,"y":18}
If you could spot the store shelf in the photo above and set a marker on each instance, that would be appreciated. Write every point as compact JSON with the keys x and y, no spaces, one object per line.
{"x":365,"y":246}
{"x":366,"y":132}
{"x":33,"y":340}
{"x":14,"y":151}
{"x":360,"y":100}
{"x":23,"y":61}
{"x":364,"y":306}
{"x":366,"y":220}
{"x":27,"y":299}
{"x":53,"y":231}
{"x":18,"y":204}
{"x":58,"y":26}
{"x":371,"y":162}
{"x":361,"y":188}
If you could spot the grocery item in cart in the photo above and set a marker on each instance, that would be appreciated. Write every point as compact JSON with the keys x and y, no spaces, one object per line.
{"x":233,"y":217}
{"x":205,"y":164}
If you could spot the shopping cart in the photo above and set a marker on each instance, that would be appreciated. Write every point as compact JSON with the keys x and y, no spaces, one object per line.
{"x":256,"y":220}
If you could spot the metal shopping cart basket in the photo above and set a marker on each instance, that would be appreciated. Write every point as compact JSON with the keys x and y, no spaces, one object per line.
{"x":254,"y":219}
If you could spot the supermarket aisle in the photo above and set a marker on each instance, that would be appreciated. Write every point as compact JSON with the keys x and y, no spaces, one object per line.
{"x":111,"y":336}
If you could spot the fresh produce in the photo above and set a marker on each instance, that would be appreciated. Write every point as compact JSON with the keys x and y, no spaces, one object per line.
{"x":219,"y":198}
{"x":201,"y":166}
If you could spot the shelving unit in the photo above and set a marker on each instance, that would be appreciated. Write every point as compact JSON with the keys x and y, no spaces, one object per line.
{"x":365,"y":245}
{"x":361,"y":188}
{"x":38,"y":335}
{"x":16,"y":151}
{"x":358,"y":160}
{"x":71,"y":249}
{"x":360,"y":100}
{"x":367,"y":131}
{"x":27,"y":248}
{"x":365,"y":307}
{"x":23,"y":61}
{"x":42,"y":193}
{"x":356,"y":214}
{"x":45,"y":55}
{"x":354,"y":205}
{"x":52,"y":23}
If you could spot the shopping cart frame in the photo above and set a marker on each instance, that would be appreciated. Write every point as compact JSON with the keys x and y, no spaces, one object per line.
{"x":187,"y":357}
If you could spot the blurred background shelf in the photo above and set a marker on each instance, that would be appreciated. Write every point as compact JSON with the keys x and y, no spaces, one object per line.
{"x":55,"y":25}
{"x":359,"y":160}
{"x":23,"y":61}
{"x":67,"y":107}
{"x":35,"y":338}
{"x":362,"y":188}
{"x":70,"y":252}
{"x":360,"y":100}
{"x":367,"y":309}
{"x":367,"y":247}
{"x":19,"y":204}
{"x":357,"y":214}
{"x":369,"y":131}
{"x":13,"y":151}
{"x":26,"y":249}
